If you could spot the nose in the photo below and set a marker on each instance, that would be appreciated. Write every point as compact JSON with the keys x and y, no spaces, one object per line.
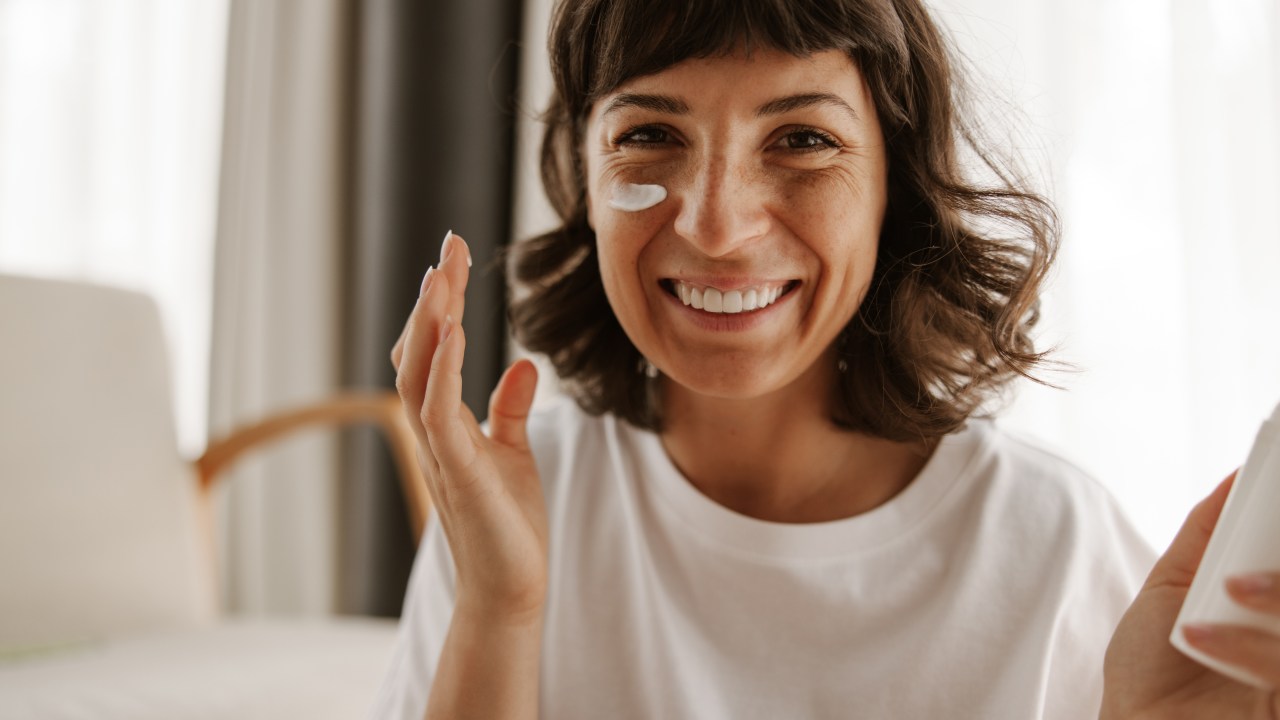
{"x":722,"y":207}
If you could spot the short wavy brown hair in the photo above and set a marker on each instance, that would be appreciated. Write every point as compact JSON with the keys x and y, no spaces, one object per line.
{"x":946,"y":322}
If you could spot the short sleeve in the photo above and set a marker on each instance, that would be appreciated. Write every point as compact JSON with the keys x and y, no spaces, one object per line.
{"x":1111,"y":563}
{"x":424,"y":623}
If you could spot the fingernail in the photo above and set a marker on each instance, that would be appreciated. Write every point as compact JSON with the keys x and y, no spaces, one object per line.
{"x":426,"y":281}
{"x":1256,"y":584}
{"x":446,"y":328}
{"x":446,"y":247}
{"x":1199,"y":632}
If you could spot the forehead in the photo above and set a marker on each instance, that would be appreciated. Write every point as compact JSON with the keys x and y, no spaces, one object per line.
{"x":744,"y":80}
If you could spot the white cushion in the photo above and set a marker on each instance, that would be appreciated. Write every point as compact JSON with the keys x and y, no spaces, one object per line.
{"x":242,"y":670}
{"x":98,"y":527}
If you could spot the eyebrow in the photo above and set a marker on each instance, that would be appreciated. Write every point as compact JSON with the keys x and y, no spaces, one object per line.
{"x":669,"y":105}
{"x":657,"y":103}
{"x":806,"y":100}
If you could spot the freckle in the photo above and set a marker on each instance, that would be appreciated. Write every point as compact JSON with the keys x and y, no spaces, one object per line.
{"x":800,"y":187}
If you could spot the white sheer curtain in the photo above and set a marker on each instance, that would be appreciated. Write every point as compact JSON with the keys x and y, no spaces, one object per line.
{"x":111,"y":151}
{"x":1156,"y":125}
{"x":1159,"y":124}
{"x":110,"y":120}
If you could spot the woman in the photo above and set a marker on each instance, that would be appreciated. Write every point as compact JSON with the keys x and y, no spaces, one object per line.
{"x":780,"y":307}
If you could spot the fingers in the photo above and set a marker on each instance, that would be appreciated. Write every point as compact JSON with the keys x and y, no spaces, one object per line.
{"x":510,"y":403}
{"x":397,"y":350}
{"x":1252,"y":650}
{"x":428,"y":358}
{"x":1258,"y":591}
{"x":451,"y":440}
{"x":455,"y":261}
{"x":1178,"y":564}
{"x":1249,"y":648}
{"x":421,"y":337}
{"x":458,"y":273}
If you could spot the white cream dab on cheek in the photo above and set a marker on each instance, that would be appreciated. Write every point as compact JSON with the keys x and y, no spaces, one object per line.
{"x":630,"y":197}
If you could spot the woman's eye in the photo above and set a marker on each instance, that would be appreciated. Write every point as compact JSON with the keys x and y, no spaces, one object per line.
{"x":643,"y":136}
{"x":808,"y":140}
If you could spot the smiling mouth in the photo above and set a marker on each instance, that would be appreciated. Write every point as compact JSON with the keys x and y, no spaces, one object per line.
{"x":728,"y":302}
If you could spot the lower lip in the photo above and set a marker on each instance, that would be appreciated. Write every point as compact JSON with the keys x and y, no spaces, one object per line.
{"x":722,"y":322}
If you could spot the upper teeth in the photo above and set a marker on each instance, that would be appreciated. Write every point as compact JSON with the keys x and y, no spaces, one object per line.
{"x":727,"y":301}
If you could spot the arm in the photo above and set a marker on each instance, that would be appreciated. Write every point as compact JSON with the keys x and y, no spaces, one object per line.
{"x":488,"y":499}
{"x":488,"y":669}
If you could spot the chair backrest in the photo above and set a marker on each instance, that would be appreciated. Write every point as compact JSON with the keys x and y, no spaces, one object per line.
{"x":99,"y":532}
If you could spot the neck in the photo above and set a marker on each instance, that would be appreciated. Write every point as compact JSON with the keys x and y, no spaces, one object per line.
{"x":779,"y":457}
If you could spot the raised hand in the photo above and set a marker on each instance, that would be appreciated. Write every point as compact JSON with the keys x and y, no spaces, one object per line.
{"x":1146,"y":677}
{"x":485,"y":489}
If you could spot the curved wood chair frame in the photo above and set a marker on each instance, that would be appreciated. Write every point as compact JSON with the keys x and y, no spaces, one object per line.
{"x":381,"y":408}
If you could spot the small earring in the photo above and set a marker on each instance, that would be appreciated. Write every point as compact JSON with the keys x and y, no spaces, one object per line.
{"x":842,"y":366}
{"x":646,"y":368}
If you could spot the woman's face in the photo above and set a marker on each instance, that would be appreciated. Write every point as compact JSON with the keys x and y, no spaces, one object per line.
{"x":775,"y":177}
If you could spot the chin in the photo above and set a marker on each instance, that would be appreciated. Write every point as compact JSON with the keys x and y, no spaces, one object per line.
{"x":736,"y":383}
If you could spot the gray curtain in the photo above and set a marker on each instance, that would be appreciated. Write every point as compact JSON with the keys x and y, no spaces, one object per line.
{"x":433,"y":114}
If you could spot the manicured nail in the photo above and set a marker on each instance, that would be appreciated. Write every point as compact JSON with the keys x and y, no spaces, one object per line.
{"x":426,"y":281}
{"x":1200,"y":633}
{"x":1257,"y":584}
{"x":446,"y":328}
{"x":446,"y":247}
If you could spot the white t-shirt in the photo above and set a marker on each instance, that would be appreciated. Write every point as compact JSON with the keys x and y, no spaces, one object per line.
{"x":988,"y":588}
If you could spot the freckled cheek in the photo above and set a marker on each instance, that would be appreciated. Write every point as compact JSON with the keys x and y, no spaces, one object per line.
{"x":621,"y":245}
{"x":626,"y":200}
{"x":832,"y":193}
{"x":840,"y":220}
{"x":623,"y":237}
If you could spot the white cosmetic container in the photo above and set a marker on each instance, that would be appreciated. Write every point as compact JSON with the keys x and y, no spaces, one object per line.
{"x":1245,"y":540}
{"x":630,"y":197}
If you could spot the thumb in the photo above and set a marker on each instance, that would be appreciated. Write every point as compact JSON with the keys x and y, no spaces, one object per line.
{"x":1179,"y":563}
{"x":510,"y":403}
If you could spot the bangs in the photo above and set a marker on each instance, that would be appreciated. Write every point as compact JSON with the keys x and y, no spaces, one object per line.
{"x":623,"y":39}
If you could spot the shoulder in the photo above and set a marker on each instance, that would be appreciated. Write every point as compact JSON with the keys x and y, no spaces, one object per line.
{"x":1030,"y":490}
{"x":1018,"y":468}
{"x":1064,"y":559}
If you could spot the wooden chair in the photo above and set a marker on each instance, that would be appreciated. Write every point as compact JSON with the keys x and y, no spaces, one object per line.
{"x":107,"y":594}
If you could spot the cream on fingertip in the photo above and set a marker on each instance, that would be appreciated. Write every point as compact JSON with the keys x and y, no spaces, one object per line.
{"x":630,"y":197}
